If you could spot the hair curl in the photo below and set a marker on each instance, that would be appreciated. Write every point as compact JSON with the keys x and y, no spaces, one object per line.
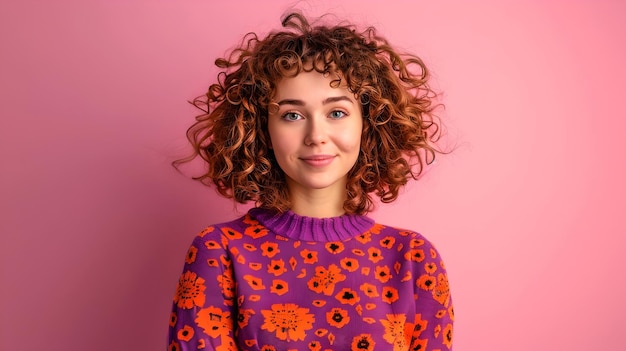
{"x":399,"y":127}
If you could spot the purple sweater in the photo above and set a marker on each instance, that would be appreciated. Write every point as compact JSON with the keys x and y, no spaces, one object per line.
{"x":276,"y":282}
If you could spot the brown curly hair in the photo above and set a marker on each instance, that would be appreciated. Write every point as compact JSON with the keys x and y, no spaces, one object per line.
{"x":399,"y":127}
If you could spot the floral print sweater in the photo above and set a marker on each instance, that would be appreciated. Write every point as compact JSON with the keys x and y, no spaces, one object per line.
{"x":274,"y":282}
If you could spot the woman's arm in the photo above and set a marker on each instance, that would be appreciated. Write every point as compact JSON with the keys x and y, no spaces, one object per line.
{"x":203,"y":307}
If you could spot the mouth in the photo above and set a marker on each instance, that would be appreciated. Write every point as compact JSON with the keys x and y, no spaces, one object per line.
{"x":318,"y":160}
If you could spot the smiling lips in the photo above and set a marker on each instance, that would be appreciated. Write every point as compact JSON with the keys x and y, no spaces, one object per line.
{"x":318,"y":160}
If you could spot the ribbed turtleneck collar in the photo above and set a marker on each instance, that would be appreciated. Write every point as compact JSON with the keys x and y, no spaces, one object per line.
{"x":303,"y":228}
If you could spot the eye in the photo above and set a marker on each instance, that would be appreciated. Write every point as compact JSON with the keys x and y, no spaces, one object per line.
{"x":337,"y":114}
{"x":291,"y":116}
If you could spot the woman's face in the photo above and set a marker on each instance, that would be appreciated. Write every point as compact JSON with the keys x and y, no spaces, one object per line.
{"x":315,"y":133}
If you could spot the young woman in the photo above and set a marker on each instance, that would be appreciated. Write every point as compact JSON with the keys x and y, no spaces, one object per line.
{"x":308,"y":123}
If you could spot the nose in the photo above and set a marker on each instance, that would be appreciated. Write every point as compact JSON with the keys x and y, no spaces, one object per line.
{"x":316,"y":133}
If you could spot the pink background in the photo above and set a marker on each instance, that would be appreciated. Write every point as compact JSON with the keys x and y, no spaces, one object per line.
{"x":529,"y":211}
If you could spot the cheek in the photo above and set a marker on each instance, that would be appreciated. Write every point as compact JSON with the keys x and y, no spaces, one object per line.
{"x":351,"y":141}
{"x":282,"y":145}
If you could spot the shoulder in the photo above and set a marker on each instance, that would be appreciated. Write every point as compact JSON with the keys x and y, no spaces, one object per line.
{"x":223,"y":233}
{"x":407,"y":241}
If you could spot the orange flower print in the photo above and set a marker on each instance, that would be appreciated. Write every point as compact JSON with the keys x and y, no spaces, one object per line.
{"x":268,"y":348}
{"x":215,"y":322}
{"x":244,"y":316}
{"x":254,"y":298}
{"x":407,"y":276}
{"x":447,"y":335}
{"x":374,"y":254}
{"x":174,"y":346}
{"x":211,"y":262}
{"x":276,"y":267}
{"x":376,"y":228}
{"x":418,"y":344}
{"x":334,"y":247}
{"x":249,"y":247}
{"x":190,"y":291}
{"x":279,"y":287}
{"x":440,"y":313}
{"x":382,"y":274}
{"x":241,"y":259}
{"x":416,"y":242}
{"x":256,"y":231}
{"x":362,"y":342}
{"x":206,"y":231}
{"x":437,"y":330}
{"x":250,"y":342}
{"x":348,"y":296}
{"x":310,"y":257}
{"x":269,"y":249}
{"x":418,"y":326}
{"x":228,"y":344}
{"x":390,"y":294}
{"x":321,"y":332}
{"x":247,"y":219}
{"x":293,"y":263}
{"x":173,"y":319}
{"x":231,"y":233}
{"x":337,"y":317}
{"x":395,"y":331}
{"x":370,"y":306}
{"x":405,"y":233}
{"x":451,"y":312}
{"x":225,"y":260}
{"x":441,"y":292}
{"x":255,"y":266}
{"x":396,"y":267}
{"x":426,"y":282}
{"x":364,"y":238}
{"x":227,"y":283}
{"x":289,"y":321}
{"x":319,"y":303}
{"x":201,"y":344}
{"x":212,"y":245}
{"x":416,"y":255}
{"x":349,"y":264}
{"x":369,"y":290}
{"x":358,"y":252}
{"x":369,"y":320}
{"x":254,"y":282}
{"x":387,"y":242}
{"x":433,"y":254}
{"x":315,"y":346}
{"x":430,"y":267}
{"x":185,"y":334}
{"x":191,"y":255}
{"x":325,"y":279}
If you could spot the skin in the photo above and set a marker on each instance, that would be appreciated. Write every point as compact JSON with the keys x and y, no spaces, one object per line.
{"x":316,"y":135}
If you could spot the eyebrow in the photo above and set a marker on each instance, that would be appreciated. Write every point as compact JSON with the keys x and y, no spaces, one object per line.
{"x":324,"y":102}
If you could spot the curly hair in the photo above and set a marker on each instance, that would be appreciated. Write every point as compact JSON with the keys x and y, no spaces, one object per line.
{"x":400,"y":129}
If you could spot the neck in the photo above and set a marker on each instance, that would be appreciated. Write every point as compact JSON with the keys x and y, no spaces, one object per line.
{"x":317,"y":203}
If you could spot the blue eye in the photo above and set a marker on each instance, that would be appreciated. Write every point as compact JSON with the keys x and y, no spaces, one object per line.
{"x":291,"y":116}
{"x":337,"y":114}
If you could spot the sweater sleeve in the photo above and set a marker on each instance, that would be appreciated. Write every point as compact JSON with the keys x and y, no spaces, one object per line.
{"x":203,"y":306}
{"x":434,"y":311}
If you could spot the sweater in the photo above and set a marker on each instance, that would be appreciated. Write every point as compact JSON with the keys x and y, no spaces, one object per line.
{"x":273,"y":282}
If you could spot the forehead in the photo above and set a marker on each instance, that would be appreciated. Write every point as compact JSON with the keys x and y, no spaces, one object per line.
{"x":312,"y":85}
